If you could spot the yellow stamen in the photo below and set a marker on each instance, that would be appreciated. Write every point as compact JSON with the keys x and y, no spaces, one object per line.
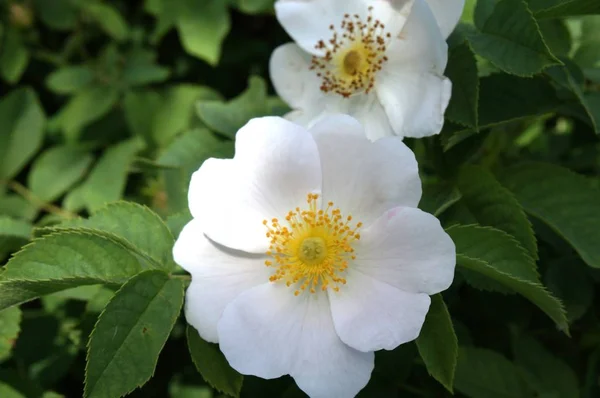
{"x":312,"y":249}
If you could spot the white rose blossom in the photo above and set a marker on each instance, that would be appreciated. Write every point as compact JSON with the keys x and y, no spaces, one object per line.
{"x":380,"y":61}
{"x":307,"y":252}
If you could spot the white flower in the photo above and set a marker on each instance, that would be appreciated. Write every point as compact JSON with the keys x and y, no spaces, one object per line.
{"x":380,"y":61}
{"x":307,"y":252}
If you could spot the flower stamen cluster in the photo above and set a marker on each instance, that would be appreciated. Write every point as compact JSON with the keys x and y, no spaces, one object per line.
{"x":353,"y":57}
{"x":311,"y":249}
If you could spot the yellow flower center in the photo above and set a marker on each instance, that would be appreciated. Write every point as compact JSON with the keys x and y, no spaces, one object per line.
{"x":311,"y":249}
{"x":353,"y":57}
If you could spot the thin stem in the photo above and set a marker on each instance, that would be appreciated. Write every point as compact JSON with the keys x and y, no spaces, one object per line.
{"x":36,"y":201}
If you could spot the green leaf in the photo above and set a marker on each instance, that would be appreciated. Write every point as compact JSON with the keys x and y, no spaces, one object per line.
{"x":14,"y":56}
{"x":494,"y":206}
{"x":177,"y":111}
{"x":438,"y":197}
{"x":212,"y":365}
{"x":563,"y":8}
{"x":562,"y":199}
{"x":496,"y":255}
{"x":482,"y":373}
{"x":13,"y":234}
{"x":86,"y":107}
{"x":6,"y":391}
{"x":70,"y":79}
{"x":437,"y":343}
{"x":228,"y":117}
{"x":504,"y":98}
{"x":255,"y":6}
{"x":570,"y":281}
{"x":130,"y":333}
{"x":202,"y":26}
{"x":137,"y":225}
{"x":510,"y":38}
{"x":56,"y":170}
{"x":57,"y":14}
{"x":556,"y":35}
{"x":547,"y":375}
{"x":22,"y":119}
{"x":141,"y":69}
{"x":107,"y":179}
{"x":138,"y":107}
{"x":109,"y":19}
{"x":10,"y":320}
{"x":462,"y":71}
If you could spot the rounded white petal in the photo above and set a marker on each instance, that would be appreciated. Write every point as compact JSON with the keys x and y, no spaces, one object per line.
{"x":361,"y":177}
{"x":415,"y":102}
{"x":371,"y":315}
{"x":276,"y":165}
{"x":408,"y":249}
{"x":309,"y":21}
{"x":447,"y":13}
{"x":269,"y":332}
{"x":218,"y":276}
{"x":294,"y":82}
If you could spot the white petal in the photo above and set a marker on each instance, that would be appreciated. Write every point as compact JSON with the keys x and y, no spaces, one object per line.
{"x":407,"y":248}
{"x":370,"y":315}
{"x":275,"y":166}
{"x":269,"y":332}
{"x":309,"y":21}
{"x":447,"y":13}
{"x":420,"y":45}
{"x":218,"y":276}
{"x":415,"y":102}
{"x":294,"y":82}
{"x":361,"y":177}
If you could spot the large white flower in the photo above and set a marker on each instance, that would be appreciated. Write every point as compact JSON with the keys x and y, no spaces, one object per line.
{"x":307,"y":252}
{"x":381,"y":61}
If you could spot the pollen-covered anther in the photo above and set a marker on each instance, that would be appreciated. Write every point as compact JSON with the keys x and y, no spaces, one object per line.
{"x":353,"y":55}
{"x":311,"y":253}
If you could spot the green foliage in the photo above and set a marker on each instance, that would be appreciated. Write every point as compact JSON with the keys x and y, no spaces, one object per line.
{"x":212,"y":365}
{"x":437,"y":343}
{"x":108,"y":107}
{"x":130,"y":333}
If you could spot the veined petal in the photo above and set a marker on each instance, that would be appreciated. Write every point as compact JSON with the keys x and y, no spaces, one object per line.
{"x":415,"y":102}
{"x":447,"y":13}
{"x":218,"y":276}
{"x":275,"y":166}
{"x":361,"y":177}
{"x":309,"y":21}
{"x":408,"y":249}
{"x":370,"y":315}
{"x":269,"y":332}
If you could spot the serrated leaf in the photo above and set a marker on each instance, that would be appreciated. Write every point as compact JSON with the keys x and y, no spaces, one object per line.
{"x":70,"y":79}
{"x":14,"y":56}
{"x":10,"y":320}
{"x":227,"y":118}
{"x":494,"y":206}
{"x":462,"y":71}
{"x":130,"y":333}
{"x":510,"y":38}
{"x":202,"y":26}
{"x":212,"y":365}
{"x":564,"y":200}
{"x":547,"y":375}
{"x":56,"y":170}
{"x":22,"y":119}
{"x":498,"y":256}
{"x":563,"y":8}
{"x":437,"y":343}
{"x":136,"y":224}
{"x":106,"y":182}
{"x":482,"y":373}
